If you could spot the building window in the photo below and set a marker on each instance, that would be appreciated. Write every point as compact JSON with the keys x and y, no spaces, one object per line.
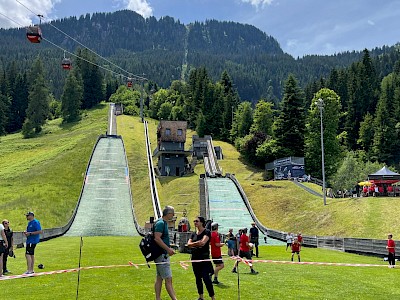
{"x":180,"y":131}
{"x":167,"y":131}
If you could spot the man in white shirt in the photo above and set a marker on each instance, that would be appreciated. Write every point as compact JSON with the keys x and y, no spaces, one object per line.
{"x":289,"y":239}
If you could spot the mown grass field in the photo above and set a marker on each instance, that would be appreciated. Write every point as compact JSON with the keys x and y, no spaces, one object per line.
{"x":274,"y":281}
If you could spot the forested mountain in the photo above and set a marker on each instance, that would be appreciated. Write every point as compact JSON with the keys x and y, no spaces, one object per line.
{"x":166,"y":50}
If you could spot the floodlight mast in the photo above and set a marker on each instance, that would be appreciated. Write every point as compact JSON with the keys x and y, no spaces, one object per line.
{"x":320,"y":104}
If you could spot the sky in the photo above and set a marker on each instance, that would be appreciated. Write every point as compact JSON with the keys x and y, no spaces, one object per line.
{"x":302,"y":27}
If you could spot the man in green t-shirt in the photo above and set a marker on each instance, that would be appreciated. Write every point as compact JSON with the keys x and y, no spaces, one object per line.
{"x":161,"y":237}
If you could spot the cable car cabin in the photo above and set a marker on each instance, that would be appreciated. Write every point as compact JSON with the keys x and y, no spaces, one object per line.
{"x":129,"y":84}
{"x":34,"y":34}
{"x":66,"y":64}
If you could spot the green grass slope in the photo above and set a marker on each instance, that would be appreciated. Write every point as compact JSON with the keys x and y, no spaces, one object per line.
{"x":45,"y":173}
{"x":274,"y":281}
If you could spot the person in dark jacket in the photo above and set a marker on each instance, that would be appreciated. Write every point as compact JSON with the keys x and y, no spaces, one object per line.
{"x":10,"y":240}
{"x":199,"y":243}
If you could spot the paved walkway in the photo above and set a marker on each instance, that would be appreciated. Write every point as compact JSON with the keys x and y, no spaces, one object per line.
{"x":105,"y":207}
{"x":228,"y":209}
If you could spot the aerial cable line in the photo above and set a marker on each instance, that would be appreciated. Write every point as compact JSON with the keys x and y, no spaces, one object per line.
{"x":66,"y":51}
{"x":94,"y":52}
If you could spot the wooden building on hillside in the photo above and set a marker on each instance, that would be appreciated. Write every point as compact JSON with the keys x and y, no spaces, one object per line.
{"x":170,"y":151}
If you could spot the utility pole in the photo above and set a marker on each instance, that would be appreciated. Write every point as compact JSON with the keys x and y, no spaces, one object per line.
{"x":320,"y":104}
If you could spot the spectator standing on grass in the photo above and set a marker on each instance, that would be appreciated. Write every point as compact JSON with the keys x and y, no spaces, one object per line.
{"x":244,"y":251}
{"x":300,"y":238}
{"x":296,"y":248}
{"x":199,"y":243}
{"x":289,"y":240}
{"x":10,"y":241}
{"x":391,"y":247}
{"x":254,"y":235}
{"x":32,"y":233}
{"x":163,"y":267}
{"x":231,"y":241}
{"x":3,"y":247}
{"x":216,"y":254}
{"x":237,"y":245}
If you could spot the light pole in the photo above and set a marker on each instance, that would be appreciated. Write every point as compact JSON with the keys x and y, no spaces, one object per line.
{"x":320,"y":104}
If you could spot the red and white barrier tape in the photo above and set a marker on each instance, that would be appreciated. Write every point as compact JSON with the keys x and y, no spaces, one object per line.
{"x":185,"y":265}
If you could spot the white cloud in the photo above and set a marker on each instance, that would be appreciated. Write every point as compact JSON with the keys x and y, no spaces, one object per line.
{"x":142,"y":7}
{"x":370,"y":22}
{"x":18,"y":15}
{"x":258,"y":3}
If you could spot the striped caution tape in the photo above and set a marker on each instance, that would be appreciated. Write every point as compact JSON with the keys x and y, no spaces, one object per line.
{"x":185,"y":265}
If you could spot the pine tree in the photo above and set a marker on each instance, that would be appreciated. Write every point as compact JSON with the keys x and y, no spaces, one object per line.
{"x":19,"y":103}
{"x":385,"y":139}
{"x":92,"y":79}
{"x":71,"y":98}
{"x":290,"y":125}
{"x":4,"y":108}
{"x":38,"y":106}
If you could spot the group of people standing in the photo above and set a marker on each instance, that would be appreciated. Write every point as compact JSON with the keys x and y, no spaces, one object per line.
{"x":32,"y":234}
{"x":200,"y":243}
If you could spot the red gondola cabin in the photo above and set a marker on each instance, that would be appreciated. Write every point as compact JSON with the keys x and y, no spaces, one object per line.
{"x":34,"y":34}
{"x":66,"y":64}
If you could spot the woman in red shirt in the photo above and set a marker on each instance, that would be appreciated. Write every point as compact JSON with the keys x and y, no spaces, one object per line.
{"x":391,"y":247}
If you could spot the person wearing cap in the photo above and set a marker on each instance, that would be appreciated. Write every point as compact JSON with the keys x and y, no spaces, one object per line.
{"x":254,"y":235}
{"x":32,"y":233}
{"x":216,"y":255}
{"x":3,"y":247}
{"x":10,"y":240}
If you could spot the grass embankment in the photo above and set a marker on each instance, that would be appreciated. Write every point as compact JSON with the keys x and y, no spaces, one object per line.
{"x":308,"y":281}
{"x":45,"y":173}
{"x":284,"y":206}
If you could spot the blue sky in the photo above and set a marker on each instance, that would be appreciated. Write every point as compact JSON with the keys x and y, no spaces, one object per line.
{"x":301,"y":26}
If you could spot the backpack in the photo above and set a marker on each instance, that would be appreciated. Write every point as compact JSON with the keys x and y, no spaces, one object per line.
{"x":149,"y":247}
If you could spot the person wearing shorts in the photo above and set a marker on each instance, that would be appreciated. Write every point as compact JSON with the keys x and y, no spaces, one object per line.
{"x":32,"y":233}
{"x":289,"y":240}
{"x":216,"y":255}
{"x":296,"y":248}
{"x":163,"y":266}
{"x":231,"y":241}
{"x":244,"y":251}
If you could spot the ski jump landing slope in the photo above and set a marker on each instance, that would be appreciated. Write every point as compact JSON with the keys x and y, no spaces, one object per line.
{"x":105,"y":207}
{"x":227,"y":208}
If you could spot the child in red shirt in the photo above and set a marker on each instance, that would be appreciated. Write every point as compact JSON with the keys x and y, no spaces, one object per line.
{"x":391,"y":247}
{"x":296,"y":248}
